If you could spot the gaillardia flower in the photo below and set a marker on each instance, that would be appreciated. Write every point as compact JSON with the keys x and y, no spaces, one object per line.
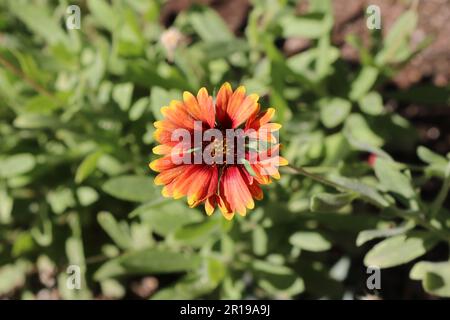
{"x":217,"y":152}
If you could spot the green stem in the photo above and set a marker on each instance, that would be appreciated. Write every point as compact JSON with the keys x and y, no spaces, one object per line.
{"x":442,"y":195}
{"x":315,"y":177}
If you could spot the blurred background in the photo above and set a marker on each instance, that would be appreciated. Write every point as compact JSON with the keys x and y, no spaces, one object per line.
{"x":364,"y":106}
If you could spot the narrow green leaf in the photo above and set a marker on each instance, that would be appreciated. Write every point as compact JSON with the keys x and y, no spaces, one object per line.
{"x":87,"y":167}
{"x":363,"y":83}
{"x":308,"y":26}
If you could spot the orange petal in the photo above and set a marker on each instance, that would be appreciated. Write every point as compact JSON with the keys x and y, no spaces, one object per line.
{"x":161,"y":164}
{"x":198,"y":190}
{"x":167,"y":176}
{"x":202,"y":112}
{"x":222,"y":99}
{"x":256,"y":191}
{"x":236,"y":191}
{"x":247,"y":108}
{"x":210,"y":204}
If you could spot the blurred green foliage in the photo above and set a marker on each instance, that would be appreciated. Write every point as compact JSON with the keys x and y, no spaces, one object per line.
{"x":76,"y":114}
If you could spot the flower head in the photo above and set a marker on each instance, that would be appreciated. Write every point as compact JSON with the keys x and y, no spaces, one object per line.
{"x":217,"y":152}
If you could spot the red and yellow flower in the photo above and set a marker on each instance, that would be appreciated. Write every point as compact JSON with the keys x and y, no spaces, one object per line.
{"x":230,"y":185}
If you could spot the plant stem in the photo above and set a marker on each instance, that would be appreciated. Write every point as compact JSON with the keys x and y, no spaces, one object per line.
{"x":315,"y":177}
{"x":442,"y":195}
{"x":36,"y":86}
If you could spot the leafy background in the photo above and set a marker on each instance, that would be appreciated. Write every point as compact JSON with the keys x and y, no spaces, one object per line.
{"x":76,"y":114}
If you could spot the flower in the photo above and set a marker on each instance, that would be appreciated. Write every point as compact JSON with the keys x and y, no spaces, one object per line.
{"x":217,"y":152}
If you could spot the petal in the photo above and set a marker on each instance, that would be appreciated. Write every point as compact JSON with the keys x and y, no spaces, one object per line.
{"x":198,"y":190}
{"x":180,"y":185}
{"x":202,"y":112}
{"x":256,"y":191}
{"x":248,"y":107}
{"x":223,"y":96}
{"x":210,"y":204}
{"x":261,"y":119}
{"x":162,"y":164}
{"x":207,"y":106}
{"x":178,"y":115}
{"x":167,"y":176}
{"x":236,"y":191}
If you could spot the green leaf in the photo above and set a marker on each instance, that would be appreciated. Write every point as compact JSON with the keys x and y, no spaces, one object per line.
{"x":22,"y":244}
{"x":117,"y":231}
{"x":396,"y":41}
{"x":139,"y":108}
{"x":166,"y":216}
{"x":282,"y":286}
{"x":131,"y":188}
{"x":6,"y":206}
{"x":437,"y":164}
{"x":12,"y":276}
{"x":88,"y":166}
{"x":112,"y":289}
{"x":103,"y":13}
{"x":160,"y":97}
{"x":209,"y":25}
{"x":334,"y":111}
{"x":41,"y":104}
{"x":365,"y":191}
{"x":197,"y":234}
{"x":36,"y":121}
{"x":363,"y":146}
{"x":430,"y":157}
{"x":159,"y":261}
{"x":148,"y":261}
{"x":16,"y":165}
{"x":222,"y":49}
{"x":39,"y":20}
{"x":363,"y":83}
{"x":356,"y":126}
{"x":277,"y":280}
{"x":87,"y":195}
{"x":435,"y":277}
{"x":310,"y":241}
{"x":122,"y":94}
{"x":399,"y":250}
{"x":371,"y":103}
{"x":367,"y":235}
{"x":307,"y":26}
{"x":392,"y":179}
{"x":260,"y":241}
{"x":61,"y":199}
{"x":326,"y":202}
{"x":193,"y":285}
